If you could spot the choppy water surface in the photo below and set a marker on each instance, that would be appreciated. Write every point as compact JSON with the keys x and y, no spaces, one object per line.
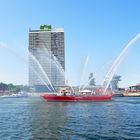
{"x":35,"y":119}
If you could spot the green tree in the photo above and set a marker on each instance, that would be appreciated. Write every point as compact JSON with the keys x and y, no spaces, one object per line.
{"x":3,"y":86}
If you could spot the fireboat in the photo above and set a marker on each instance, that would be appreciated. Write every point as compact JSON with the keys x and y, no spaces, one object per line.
{"x":67,"y":95}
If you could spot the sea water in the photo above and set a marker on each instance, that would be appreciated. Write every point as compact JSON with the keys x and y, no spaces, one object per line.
{"x":33,"y":118}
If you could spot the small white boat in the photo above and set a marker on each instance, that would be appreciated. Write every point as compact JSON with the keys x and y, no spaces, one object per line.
{"x":132,"y":91}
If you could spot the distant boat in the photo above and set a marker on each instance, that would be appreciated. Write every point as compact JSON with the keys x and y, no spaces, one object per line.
{"x":84,"y":95}
{"x":15,"y":95}
{"x":132,"y":91}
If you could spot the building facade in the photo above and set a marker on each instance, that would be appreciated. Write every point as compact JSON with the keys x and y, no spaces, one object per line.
{"x":46,"y":58}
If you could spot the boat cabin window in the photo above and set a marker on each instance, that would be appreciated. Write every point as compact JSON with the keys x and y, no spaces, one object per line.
{"x":134,"y":88}
{"x":138,"y":88}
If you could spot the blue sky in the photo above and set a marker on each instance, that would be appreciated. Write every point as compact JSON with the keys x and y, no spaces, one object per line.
{"x":99,"y":29}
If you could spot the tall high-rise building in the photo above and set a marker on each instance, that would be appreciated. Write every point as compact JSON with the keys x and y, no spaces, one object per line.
{"x":46,"y":58}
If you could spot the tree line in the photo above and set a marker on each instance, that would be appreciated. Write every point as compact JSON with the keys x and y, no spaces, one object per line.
{"x":13,"y":88}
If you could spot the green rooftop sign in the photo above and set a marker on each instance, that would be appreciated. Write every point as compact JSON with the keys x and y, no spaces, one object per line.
{"x":45,"y":27}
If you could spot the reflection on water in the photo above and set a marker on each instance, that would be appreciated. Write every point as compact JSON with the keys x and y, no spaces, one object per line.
{"x":35,"y":119}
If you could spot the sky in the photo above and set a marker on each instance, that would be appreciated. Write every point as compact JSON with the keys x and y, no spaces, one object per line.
{"x":97,"y":29}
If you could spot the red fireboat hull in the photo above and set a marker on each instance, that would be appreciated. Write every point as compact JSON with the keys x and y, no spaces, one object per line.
{"x":49,"y":97}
